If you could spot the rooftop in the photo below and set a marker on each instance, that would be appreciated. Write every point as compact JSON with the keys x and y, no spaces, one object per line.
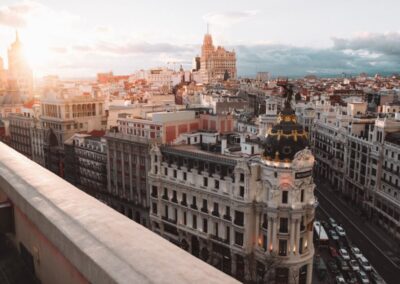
{"x":100,"y":243}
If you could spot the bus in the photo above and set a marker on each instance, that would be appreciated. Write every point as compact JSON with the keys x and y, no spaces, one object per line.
{"x":320,"y":236}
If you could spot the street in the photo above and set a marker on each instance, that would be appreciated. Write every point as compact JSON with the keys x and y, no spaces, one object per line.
{"x":378,"y":248}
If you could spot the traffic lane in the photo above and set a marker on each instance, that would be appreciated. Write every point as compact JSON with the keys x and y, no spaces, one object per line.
{"x":373,"y":235}
{"x":385,"y":268}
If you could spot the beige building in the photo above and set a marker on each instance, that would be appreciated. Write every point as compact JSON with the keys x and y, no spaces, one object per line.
{"x":239,"y":210}
{"x":216,"y":63}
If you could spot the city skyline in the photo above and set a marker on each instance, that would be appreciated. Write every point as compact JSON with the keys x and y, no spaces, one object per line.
{"x":285,"y":38}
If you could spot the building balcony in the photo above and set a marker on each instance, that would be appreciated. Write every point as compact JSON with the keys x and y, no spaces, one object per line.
{"x":204,"y":210}
{"x":70,"y":235}
{"x":193,"y":206}
{"x":215,"y":213}
{"x":227,"y":217}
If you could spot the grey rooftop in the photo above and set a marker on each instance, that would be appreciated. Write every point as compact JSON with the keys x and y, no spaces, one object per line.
{"x":102,"y":244}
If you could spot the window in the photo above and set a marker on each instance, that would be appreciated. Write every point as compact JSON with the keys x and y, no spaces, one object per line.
{"x":184,"y":218}
{"x":283,"y":225}
{"x":194,"y":223}
{"x":154,"y":208}
{"x":194,"y":202}
{"x":205,"y":225}
{"x":184,"y":176}
{"x":241,"y":191}
{"x":227,"y":213}
{"x":216,"y":184}
{"x":166,"y":211}
{"x":205,"y":181}
{"x":184,"y":201}
{"x":228,"y":234}
{"x":216,"y":230}
{"x":154,"y":191}
{"x":302,"y":196}
{"x":284,"y":197}
{"x":174,"y":196}
{"x":282,"y":247}
{"x":175,"y":173}
{"x":239,"y":218}
{"x":216,"y":209}
{"x":205,"y":206}
{"x":241,"y":177}
{"x":238,"y":238}
{"x":166,"y":171}
{"x":301,"y":246}
{"x":165,"y":196}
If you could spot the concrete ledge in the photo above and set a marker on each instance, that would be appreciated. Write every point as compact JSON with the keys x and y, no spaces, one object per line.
{"x":103,"y":245}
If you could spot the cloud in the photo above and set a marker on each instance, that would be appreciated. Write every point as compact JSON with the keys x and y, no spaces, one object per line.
{"x":141,"y":48}
{"x":298,"y":61}
{"x":228,"y":18}
{"x":15,"y":15}
{"x":384,"y":43}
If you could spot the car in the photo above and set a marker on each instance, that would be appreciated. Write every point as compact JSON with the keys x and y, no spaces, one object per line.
{"x":355,"y":251}
{"x":340,"y":231}
{"x":341,"y":244}
{"x":363,"y":277}
{"x":333,"y":235}
{"x":364,"y":263}
{"x":342,"y":264}
{"x":344,"y":254}
{"x":376,"y":278}
{"x":332,"y":222}
{"x":325,"y":225}
{"x":340,"y":279}
{"x":333,"y":251}
{"x":351,"y":278}
{"x":333,"y":266}
{"x":354,"y":265}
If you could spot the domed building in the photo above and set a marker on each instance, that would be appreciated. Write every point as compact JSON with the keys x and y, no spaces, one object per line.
{"x":288,"y":198}
{"x":286,"y":138}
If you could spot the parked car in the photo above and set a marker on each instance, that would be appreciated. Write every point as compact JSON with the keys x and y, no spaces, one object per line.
{"x":342,"y":264}
{"x":333,"y":266}
{"x":354,"y":265}
{"x":340,"y":279}
{"x":332,"y":222}
{"x":355,"y":251}
{"x":343,"y":253}
{"x":334,"y":235}
{"x":351,"y":278}
{"x":333,"y":252}
{"x":340,"y":231}
{"x":364,"y":263}
{"x":363,"y":277}
{"x":376,"y":278}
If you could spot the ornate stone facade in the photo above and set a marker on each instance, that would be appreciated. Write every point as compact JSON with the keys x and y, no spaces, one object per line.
{"x":216,"y":64}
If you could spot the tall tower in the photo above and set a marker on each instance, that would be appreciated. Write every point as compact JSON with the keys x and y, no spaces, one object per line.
{"x":286,"y":175}
{"x":18,"y":69}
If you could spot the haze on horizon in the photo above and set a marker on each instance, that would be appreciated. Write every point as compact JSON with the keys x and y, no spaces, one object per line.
{"x":81,"y":38}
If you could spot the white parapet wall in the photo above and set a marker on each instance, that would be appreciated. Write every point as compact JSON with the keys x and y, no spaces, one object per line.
{"x":74,"y":238}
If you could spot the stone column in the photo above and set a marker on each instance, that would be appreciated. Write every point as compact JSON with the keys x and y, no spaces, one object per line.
{"x":309,"y":273}
{"x":274,"y":234}
{"x":292,"y":235}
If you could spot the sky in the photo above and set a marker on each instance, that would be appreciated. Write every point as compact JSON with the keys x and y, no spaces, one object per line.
{"x":79,"y":38}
